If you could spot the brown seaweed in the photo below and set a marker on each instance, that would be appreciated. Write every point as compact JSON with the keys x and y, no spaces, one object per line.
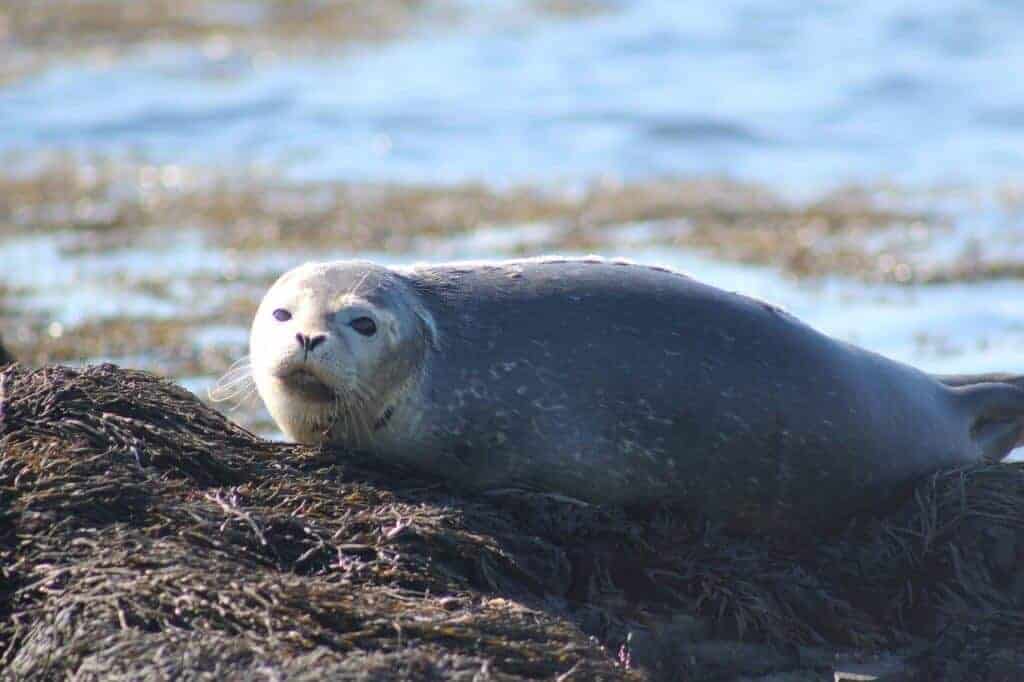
{"x":143,"y":535}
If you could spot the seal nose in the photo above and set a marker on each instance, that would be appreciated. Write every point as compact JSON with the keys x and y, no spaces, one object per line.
{"x":308,"y":343}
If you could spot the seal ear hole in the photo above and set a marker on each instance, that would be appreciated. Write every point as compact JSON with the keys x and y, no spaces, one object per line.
{"x":364,"y":325}
{"x":282,"y":315}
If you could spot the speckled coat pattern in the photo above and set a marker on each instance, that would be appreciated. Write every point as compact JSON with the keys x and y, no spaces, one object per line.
{"x":625,"y":384}
{"x":629,"y":384}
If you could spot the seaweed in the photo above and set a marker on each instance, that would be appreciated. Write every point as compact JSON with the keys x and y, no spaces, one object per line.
{"x":144,"y":535}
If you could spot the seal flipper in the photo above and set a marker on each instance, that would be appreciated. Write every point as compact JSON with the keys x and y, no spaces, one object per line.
{"x":998,"y":439}
{"x":996,"y":410}
{"x":972,"y":379}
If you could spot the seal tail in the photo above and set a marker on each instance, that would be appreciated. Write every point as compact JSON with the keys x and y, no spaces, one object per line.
{"x":996,"y":409}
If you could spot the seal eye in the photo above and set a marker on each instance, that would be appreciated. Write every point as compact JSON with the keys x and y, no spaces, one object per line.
{"x":282,"y":315}
{"x":364,"y":326}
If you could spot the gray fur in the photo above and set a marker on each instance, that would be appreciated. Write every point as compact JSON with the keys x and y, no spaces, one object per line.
{"x":618,"y":383}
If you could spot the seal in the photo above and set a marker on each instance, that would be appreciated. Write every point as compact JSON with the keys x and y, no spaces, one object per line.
{"x":614,"y":383}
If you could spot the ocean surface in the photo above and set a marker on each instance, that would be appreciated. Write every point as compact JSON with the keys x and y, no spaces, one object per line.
{"x":800,"y":95}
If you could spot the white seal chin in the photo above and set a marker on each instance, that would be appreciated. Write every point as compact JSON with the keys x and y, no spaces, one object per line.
{"x":335,"y":349}
{"x":306,"y":385}
{"x":302,"y":418}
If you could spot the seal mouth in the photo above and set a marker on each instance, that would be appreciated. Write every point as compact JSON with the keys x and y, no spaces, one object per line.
{"x":308,"y":385}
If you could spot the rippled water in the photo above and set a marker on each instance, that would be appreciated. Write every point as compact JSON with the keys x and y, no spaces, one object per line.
{"x":801,"y":95}
{"x":956,"y":327}
{"x":941,"y":328}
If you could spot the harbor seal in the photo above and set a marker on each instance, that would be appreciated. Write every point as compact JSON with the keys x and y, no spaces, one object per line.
{"x":614,"y":383}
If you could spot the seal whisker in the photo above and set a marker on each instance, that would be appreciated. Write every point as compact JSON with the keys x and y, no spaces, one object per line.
{"x":345,"y":416}
{"x":346,"y":413}
{"x":355,"y":404}
{"x":355,"y":287}
{"x":366,"y":417}
{"x":336,"y":414}
{"x":236,"y":384}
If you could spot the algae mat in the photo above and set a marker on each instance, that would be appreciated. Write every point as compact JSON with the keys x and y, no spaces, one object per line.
{"x":145,"y":536}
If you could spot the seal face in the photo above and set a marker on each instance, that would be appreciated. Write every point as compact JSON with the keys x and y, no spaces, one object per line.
{"x":336,"y":349}
{"x":611,"y":382}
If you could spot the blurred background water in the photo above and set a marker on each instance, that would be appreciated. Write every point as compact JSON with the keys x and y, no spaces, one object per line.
{"x":915,"y":108}
{"x":801,"y":95}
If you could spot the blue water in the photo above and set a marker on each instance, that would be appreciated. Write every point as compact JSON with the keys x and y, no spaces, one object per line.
{"x":948,"y":328}
{"x":800,"y":95}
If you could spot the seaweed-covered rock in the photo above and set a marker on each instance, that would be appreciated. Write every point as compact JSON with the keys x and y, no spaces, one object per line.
{"x":143,"y":535}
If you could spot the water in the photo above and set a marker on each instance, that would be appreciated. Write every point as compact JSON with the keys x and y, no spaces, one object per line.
{"x":956,"y":327}
{"x":801,"y":95}
{"x":948,"y":328}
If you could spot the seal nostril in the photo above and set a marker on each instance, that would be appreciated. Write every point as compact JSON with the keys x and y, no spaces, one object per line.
{"x":308,"y":343}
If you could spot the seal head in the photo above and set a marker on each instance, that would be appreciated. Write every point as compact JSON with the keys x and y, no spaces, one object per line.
{"x":335,"y":348}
